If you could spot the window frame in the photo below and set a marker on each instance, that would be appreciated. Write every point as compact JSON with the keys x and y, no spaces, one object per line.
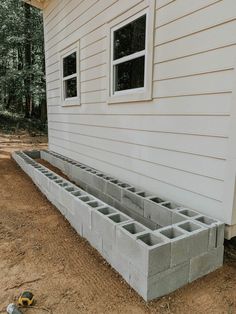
{"x":70,"y":101}
{"x":134,"y":94}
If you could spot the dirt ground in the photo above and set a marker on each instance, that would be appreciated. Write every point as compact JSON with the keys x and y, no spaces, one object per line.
{"x":41,"y":252}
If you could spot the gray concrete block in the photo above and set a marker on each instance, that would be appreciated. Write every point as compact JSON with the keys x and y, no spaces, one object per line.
{"x":95,"y":192}
{"x":211,"y":225}
{"x":177,"y":217}
{"x":205,"y":263}
{"x":220,"y":233}
{"x":34,"y":154}
{"x":104,"y":222}
{"x":114,"y":190}
{"x":99,"y":183}
{"x":155,"y":210}
{"x":133,"y":201}
{"x":168,"y":281}
{"x":180,"y":244}
{"x":139,"y":218}
{"x":93,"y":238}
{"x":160,"y":284}
{"x":198,"y":237}
{"x":148,"y":252}
{"x":82,"y":211}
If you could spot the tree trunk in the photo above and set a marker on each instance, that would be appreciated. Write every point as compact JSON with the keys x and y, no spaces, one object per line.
{"x":28,"y":61}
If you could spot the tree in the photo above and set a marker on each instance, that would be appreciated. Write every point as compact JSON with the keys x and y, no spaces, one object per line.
{"x":22,"y":77}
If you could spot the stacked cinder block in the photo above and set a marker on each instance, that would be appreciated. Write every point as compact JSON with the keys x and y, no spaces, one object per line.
{"x":168,"y":247}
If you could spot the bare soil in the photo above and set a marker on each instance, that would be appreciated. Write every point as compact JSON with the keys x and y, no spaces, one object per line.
{"x":41,"y":252}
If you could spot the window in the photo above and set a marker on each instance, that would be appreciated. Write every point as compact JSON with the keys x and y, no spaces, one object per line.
{"x":129,"y":49}
{"x":70,"y":78}
{"x":131,"y":60}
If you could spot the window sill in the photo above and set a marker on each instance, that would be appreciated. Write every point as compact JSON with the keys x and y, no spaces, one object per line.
{"x":116,"y":99}
{"x":71,"y":102}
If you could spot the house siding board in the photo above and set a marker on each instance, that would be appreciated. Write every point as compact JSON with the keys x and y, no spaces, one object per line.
{"x":176,"y":144}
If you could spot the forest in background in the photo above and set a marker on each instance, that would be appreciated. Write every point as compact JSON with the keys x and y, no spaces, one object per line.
{"x":22,"y":65}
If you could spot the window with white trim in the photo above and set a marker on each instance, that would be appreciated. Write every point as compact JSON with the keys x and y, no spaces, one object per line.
{"x":70,"y":77}
{"x":131,"y":60}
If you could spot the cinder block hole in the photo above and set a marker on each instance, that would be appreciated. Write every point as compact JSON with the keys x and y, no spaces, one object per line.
{"x":53,"y":177}
{"x":188,"y":213}
{"x":133,"y":228}
{"x":58,"y":181}
{"x":70,"y":189}
{"x":77,"y":193}
{"x":189,"y":226}
{"x":100,"y":175}
{"x":115,"y":181}
{"x":48,"y":175}
{"x":106,"y":211}
{"x":64,"y":184}
{"x":172,"y":233}
{"x":88,"y":170}
{"x":82,"y":167}
{"x":132,"y":189}
{"x":170,"y":205}
{"x":206,"y":220}
{"x":86,"y":198}
{"x":118,"y":218}
{"x":93,"y":172}
{"x":107,"y":178}
{"x":124,"y":185}
{"x":156,"y":200}
{"x":143,"y":194}
{"x":150,"y":239}
{"x":94,"y":204}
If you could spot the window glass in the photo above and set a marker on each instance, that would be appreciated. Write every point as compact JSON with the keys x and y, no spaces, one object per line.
{"x":69,"y":65}
{"x":130,"y":38}
{"x":130,"y":74}
{"x":70,"y":87}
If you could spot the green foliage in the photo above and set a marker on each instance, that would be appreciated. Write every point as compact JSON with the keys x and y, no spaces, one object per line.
{"x":22,"y":77}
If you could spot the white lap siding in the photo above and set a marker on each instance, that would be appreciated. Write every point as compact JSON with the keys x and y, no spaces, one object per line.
{"x":176,"y":145}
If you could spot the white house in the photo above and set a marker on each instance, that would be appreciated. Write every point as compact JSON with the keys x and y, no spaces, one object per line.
{"x":145,"y":91}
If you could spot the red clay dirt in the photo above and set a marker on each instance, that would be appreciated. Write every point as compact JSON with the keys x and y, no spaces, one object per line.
{"x":41,"y":252}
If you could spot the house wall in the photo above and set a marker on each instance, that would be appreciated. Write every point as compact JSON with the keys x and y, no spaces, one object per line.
{"x":175,"y":146}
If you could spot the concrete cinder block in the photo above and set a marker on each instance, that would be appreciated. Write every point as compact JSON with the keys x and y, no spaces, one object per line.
{"x":133,"y":201}
{"x":180,"y":244}
{"x":205,"y":263}
{"x":82,"y":212}
{"x":160,"y":284}
{"x":148,"y":252}
{"x":104,"y":222}
{"x":93,"y":237}
{"x":120,"y":263}
{"x":94,"y":192}
{"x":168,"y":281}
{"x":34,"y":154}
{"x":155,"y":210}
{"x":183,"y":214}
{"x":99,"y":182}
{"x":211,"y":225}
{"x":114,"y":190}
{"x":198,"y":237}
{"x":139,"y":218}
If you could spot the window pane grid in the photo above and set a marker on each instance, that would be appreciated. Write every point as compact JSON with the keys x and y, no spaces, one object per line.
{"x":129,"y":57}
{"x":69,"y":77}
